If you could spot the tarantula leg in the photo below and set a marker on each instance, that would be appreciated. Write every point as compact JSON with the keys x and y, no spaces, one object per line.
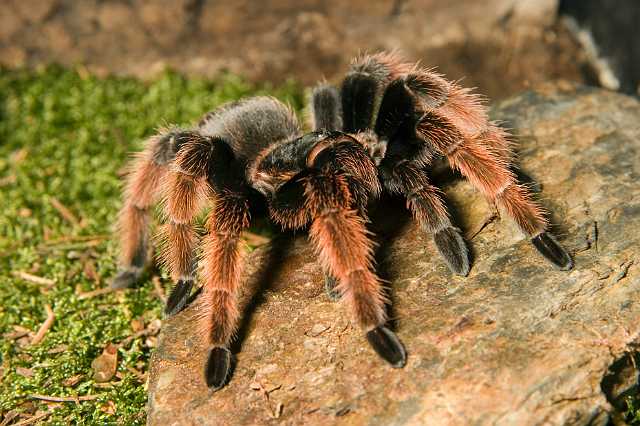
{"x":388,"y":346}
{"x":340,"y":237}
{"x":330,"y":287}
{"x":428,"y":209}
{"x":129,"y":273}
{"x":359,"y":95}
{"x":218,"y":367}
{"x":187,"y":191}
{"x":326,"y":111}
{"x":453,"y":249}
{"x":177,"y":300}
{"x":477,"y":158}
{"x":549,"y":248}
{"x":142,"y":190}
{"x":221,"y":271}
{"x":206,"y":166}
{"x":363,"y":86}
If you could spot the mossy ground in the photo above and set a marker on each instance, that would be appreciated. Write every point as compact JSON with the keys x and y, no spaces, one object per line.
{"x":65,"y":137}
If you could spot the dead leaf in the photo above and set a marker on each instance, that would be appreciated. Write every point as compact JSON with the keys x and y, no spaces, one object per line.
{"x":73,"y":380}
{"x":137,"y":324}
{"x":104,"y":366}
{"x":109,"y":408}
{"x":17,"y":333}
{"x":58,"y":349}
{"x":24,"y":372}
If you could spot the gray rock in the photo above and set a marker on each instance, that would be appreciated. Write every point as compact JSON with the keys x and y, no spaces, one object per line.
{"x":514,"y":343}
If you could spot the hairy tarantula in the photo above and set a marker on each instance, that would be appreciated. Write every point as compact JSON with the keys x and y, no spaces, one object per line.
{"x":380,"y":132}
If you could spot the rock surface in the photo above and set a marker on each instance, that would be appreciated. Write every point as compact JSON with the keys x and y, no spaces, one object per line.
{"x":514,"y":343}
{"x":500,"y":46}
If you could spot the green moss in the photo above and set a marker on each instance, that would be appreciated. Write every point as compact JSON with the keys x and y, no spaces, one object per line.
{"x":65,"y":135}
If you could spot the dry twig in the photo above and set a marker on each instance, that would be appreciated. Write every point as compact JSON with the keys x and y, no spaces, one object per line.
{"x":76,"y":399}
{"x":46,"y":325}
{"x":94,"y":293}
{"x":486,"y":221}
{"x":64,"y":211}
{"x":152,"y":329}
{"x":34,"y":278}
{"x":33,"y":419}
{"x":139,"y":375}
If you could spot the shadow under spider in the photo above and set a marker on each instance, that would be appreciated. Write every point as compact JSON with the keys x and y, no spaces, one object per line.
{"x":388,"y":219}
{"x":259,"y":282}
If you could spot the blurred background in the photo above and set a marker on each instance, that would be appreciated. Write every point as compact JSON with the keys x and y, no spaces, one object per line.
{"x":499,"y":46}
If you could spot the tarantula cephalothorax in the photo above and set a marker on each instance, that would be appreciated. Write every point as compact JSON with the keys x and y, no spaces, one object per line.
{"x":379,"y":132}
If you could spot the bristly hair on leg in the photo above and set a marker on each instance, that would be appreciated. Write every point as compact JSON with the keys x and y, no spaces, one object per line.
{"x":143,"y":187}
{"x":325,"y":108}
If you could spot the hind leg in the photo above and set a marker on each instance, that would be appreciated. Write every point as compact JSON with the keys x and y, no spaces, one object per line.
{"x":143,"y":184}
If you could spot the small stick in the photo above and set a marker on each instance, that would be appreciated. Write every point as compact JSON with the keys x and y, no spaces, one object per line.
{"x":46,"y":325}
{"x":94,"y":293}
{"x":33,"y":419}
{"x":16,"y":334}
{"x":64,"y":211}
{"x":75,"y":238}
{"x":8,"y":180}
{"x":487,"y":220}
{"x":8,"y":417}
{"x":34,"y":278}
{"x":157,"y":286}
{"x":107,"y":385}
{"x":75,"y":399}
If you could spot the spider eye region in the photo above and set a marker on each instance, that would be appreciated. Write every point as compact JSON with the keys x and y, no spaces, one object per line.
{"x":283,"y":162}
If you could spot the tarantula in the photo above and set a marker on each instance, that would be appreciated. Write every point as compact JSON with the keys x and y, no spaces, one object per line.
{"x":380,"y":132}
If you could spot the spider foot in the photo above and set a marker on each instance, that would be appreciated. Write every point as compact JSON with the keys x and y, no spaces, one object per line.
{"x":552,"y":250}
{"x":178,"y":298}
{"x":330,"y":284}
{"x":453,"y":249}
{"x":218,"y":367}
{"x":126,"y":278}
{"x":388,"y":346}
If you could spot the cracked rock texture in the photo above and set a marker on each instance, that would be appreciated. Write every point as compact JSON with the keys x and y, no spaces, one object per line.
{"x":514,"y":343}
{"x":500,"y":46}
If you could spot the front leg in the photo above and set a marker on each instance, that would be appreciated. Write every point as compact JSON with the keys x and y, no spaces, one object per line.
{"x":221,"y":270}
{"x":428,"y":209}
{"x":331,"y":193}
{"x":340,"y":237}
